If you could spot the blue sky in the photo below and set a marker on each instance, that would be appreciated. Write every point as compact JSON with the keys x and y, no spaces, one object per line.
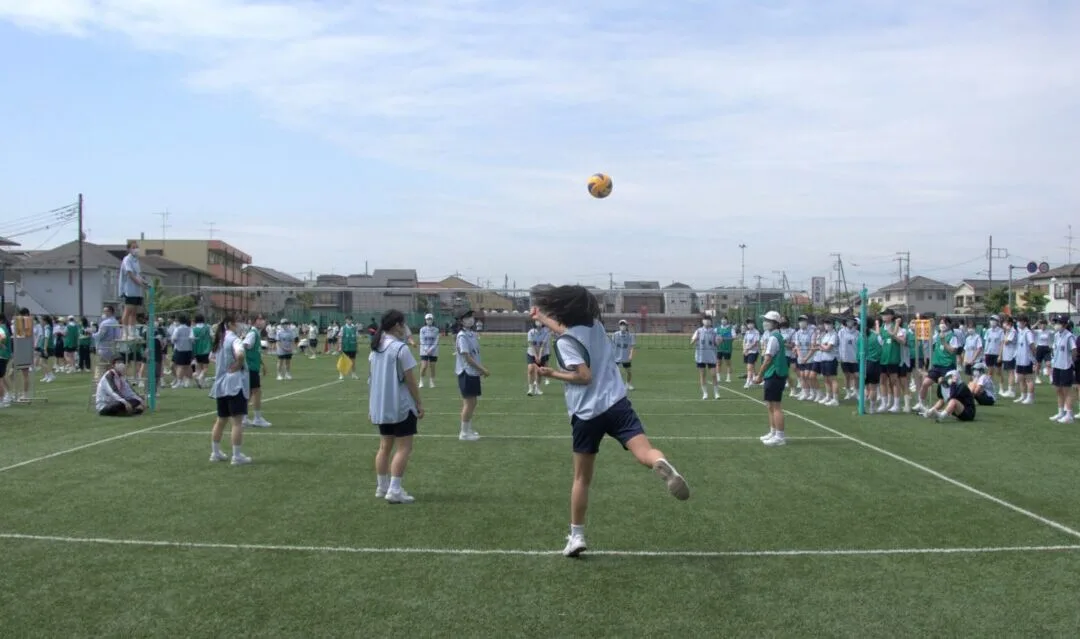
{"x":457,"y":135}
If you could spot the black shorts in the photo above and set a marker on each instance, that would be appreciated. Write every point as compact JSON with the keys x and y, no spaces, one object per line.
{"x":723,"y":357}
{"x":829,"y":368}
{"x":625,"y":364}
{"x":992,"y":360}
{"x":3,"y":368}
{"x":116,"y":409}
{"x":349,"y":354}
{"x":967,"y":415}
{"x":132,"y":301}
{"x":182,"y":358}
{"x":706,"y":364}
{"x":1063,"y":377}
{"x":1026,"y":369}
{"x":921,"y":362}
{"x":313,"y":342}
{"x":232,"y":406}
{"x":903,"y":371}
{"x":619,"y":422}
{"x":529,"y":359}
{"x":872,"y":375}
{"x":773,"y":388}
{"x":255,"y":379}
{"x":750,"y":358}
{"x":404,"y":428}
{"x":850,"y":368}
{"x":969,"y":369}
{"x":982,"y":399}
{"x":423,"y":358}
{"x":331,"y":340}
{"x":468,"y":385}
{"x":1042,"y":354}
{"x":285,"y":356}
{"x":45,"y":353}
{"x":936,"y":373}
{"x":1010,"y":365}
{"x":202,"y":359}
{"x":890,"y":369}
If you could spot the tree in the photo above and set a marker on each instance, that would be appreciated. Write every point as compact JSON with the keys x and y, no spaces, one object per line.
{"x":996,"y":300}
{"x":1034,"y":300}
{"x":874,"y":309}
{"x":165,"y":303}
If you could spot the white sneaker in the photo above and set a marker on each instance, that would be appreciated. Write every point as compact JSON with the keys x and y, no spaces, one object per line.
{"x":705,"y":395}
{"x":529,"y":391}
{"x":260,"y":422}
{"x":240,"y":459}
{"x":832,"y":403}
{"x":1038,"y":380}
{"x":575,"y":545}
{"x":768,"y":435}
{"x":218,"y":457}
{"x":469,"y":436}
{"x":919,"y":408}
{"x":398,"y":497}
{"x":676,"y":485}
{"x":1067,"y":418}
{"x":547,"y":382}
{"x":1029,"y":401}
{"x":288,"y":376}
{"x":775,"y":440}
{"x":380,"y":492}
{"x":1019,"y":400}
{"x":431,"y":383}
{"x":1057,"y":417}
{"x":247,"y":421}
{"x":420,"y":385}
{"x":536,"y":390}
{"x":727,"y":380}
{"x":280,"y":378}
{"x":629,"y":387}
{"x":716,"y":393}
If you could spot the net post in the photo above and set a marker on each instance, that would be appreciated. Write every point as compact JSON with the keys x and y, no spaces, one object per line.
{"x":151,"y":351}
{"x":864,"y":297}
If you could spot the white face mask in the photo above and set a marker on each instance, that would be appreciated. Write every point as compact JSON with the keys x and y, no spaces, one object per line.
{"x":993,"y":323}
{"x":802,"y":324}
{"x":1058,"y":327}
{"x":943,"y":327}
{"x":706,"y":323}
{"x":624,"y":327}
{"x":723,"y":322}
{"x":119,"y":367}
{"x":768,"y":325}
{"x":970,"y":331}
{"x":429,"y":321}
{"x":537,"y":324}
{"x":468,"y":322}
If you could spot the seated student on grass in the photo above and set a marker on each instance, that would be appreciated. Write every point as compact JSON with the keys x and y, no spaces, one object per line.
{"x":115,"y":397}
{"x":982,"y":386}
{"x":955,"y":399}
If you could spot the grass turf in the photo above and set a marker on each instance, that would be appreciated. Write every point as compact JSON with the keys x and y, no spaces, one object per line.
{"x":304,"y":549}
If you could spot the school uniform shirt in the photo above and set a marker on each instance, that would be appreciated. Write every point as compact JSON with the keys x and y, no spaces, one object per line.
{"x":705,"y":346}
{"x":1061,"y":357}
{"x":534,"y":342}
{"x":987,"y":384}
{"x":112,"y":389}
{"x":1010,"y":345}
{"x":389,"y":401}
{"x":127,"y":288}
{"x":993,"y":340}
{"x":200,"y":339}
{"x":466,"y":342}
{"x":890,"y":348}
{"x":5,"y":343}
{"x":623,"y":342}
{"x":788,"y":335}
{"x":1043,"y":337}
{"x":972,"y":345}
{"x":941,"y":358}
{"x":847,"y":340}
{"x":907,"y":349}
{"x":252,"y":350}
{"x":226,"y":383}
{"x":429,"y":341}
{"x":1025,"y":341}
{"x":71,"y":336}
{"x":751,"y":341}
{"x":349,"y":338}
{"x":828,"y":339}
{"x":804,"y":341}
{"x":590,"y":345}
{"x":285,"y":337}
{"x":181,"y":339}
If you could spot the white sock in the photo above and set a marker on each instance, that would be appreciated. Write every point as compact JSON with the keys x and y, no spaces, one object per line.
{"x":704,"y":389}
{"x":779,"y":434}
{"x":577,"y":531}
{"x":235,"y":451}
{"x":395,"y":484}
{"x":466,"y":426}
{"x":215,"y":447}
{"x":382,"y":481}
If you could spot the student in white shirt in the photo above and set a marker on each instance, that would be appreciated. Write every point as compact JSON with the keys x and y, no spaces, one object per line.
{"x":1023,"y":348}
{"x":286,"y":341}
{"x":1009,"y":334}
{"x":704,"y":341}
{"x":751,"y":348}
{"x":429,"y":350}
{"x":1043,"y":339}
{"x":131,"y":289}
{"x":848,"y":338}
{"x":469,"y":370}
{"x":183,"y":352}
{"x":624,"y":342}
{"x":313,"y":340}
{"x":973,"y":348}
{"x":827,"y":348}
{"x":993,"y":345}
{"x":393,"y":405}
{"x":231,"y":391}
{"x":982,"y":385}
{"x":1063,"y":369}
{"x":787,"y":336}
{"x":595,"y":398}
{"x":536,"y":356}
{"x":805,"y":340}
{"x":114,"y":396}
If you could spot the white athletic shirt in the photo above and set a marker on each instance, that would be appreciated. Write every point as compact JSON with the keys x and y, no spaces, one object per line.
{"x":125,"y":287}
{"x":1025,"y":341}
{"x":389,"y":400}
{"x":831,"y":339}
{"x":848,"y":338}
{"x":1062,"y":354}
{"x":429,"y":341}
{"x":624,"y":342}
{"x":987,"y":384}
{"x":972,"y":345}
{"x":590,"y":343}
{"x":1009,"y":348}
{"x":466,"y":342}
{"x":705,"y":345}
{"x":993,"y":340}
{"x":751,"y":341}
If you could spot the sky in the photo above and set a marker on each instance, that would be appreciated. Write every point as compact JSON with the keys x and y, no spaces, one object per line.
{"x":456,"y":136}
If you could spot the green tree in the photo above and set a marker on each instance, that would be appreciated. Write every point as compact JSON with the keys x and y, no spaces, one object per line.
{"x":874,"y":309}
{"x":1034,"y":300}
{"x":166,"y":303}
{"x":996,"y":300}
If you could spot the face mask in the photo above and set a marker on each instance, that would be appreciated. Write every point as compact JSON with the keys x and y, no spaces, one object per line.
{"x":971,"y":331}
{"x":723,"y":322}
{"x":1058,"y":327}
{"x":769,"y":326}
{"x":993,"y":324}
{"x":943,"y":328}
{"x":468,"y":322}
{"x":802,"y":324}
{"x":537,"y":324}
{"x":119,"y":367}
{"x":429,"y":322}
{"x":706,"y":323}
{"x":624,"y":328}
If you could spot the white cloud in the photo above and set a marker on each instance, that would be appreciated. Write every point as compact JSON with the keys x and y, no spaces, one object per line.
{"x":842,"y":126}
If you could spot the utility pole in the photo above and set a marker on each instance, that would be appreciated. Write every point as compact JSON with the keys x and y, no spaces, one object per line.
{"x":992,"y":254}
{"x":211,"y":226}
{"x":164,"y":215}
{"x":742,"y":271}
{"x":903,"y":259}
{"x":82,"y":238}
{"x":1069,"y":248}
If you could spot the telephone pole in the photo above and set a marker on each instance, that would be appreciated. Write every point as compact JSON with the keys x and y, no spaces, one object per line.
{"x":210,"y":226}
{"x":82,"y":237}
{"x":992,"y":254}
{"x":903,"y":261}
{"x":1069,"y":248}
{"x":164,"y":215}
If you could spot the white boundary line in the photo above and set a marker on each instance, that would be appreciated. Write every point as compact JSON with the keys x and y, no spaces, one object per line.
{"x":186,"y":545}
{"x":141,"y":431}
{"x":930,"y":471}
{"x":262,"y":432}
{"x":556,"y":400}
{"x":559,"y":412}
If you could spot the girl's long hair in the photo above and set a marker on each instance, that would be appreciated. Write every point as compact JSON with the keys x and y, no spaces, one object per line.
{"x":389,"y":320}
{"x":219,"y":332}
{"x":571,"y":305}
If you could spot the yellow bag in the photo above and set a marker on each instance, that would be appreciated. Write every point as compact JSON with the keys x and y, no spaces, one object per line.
{"x":342,"y":364}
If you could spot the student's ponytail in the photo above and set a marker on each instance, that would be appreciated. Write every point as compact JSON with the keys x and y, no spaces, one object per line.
{"x":389,"y":320}
{"x":219,"y":332}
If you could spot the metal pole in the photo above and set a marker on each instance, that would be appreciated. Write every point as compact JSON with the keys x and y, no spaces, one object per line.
{"x":742,"y":272}
{"x":151,"y":351}
{"x":1011,"y":267}
{"x":864,"y":295}
{"x":81,"y":313}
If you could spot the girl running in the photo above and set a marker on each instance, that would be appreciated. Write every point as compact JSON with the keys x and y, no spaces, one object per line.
{"x":704,"y":339}
{"x":595,"y":398}
{"x":393,"y":405}
{"x":231,"y":390}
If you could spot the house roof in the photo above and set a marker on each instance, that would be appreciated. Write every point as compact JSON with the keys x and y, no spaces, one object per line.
{"x":679,"y":285}
{"x":641,"y":284}
{"x":981,"y":286}
{"x":1067,"y":271}
{"x":381,"y":277}
{"x":275,"y":274}
{"x":6,"y":242}
{"x":917,"y":283}
{"x":66,"y":256}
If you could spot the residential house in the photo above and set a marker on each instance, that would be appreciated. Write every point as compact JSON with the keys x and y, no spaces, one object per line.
{"x":282,"y":290}
{"x":678,"y":299}
{"x":641,"y":298}
{"x":372,"y":298}
{"x":222,"y":260}
{"x":918,"y":295}
{"x":178,"y":279}
{"x":51,"y":279}
{"x":724,"y":299}
{"x":483,"y":298}
{"x":7,"y":261}
{"x":1061,"y":285}
{"x":969,"y":294}
{"x":335,"y":303}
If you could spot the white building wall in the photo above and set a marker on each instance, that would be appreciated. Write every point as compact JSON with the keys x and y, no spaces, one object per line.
{"x":58,"y":290}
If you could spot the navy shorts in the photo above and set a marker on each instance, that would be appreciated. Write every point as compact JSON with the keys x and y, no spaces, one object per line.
{"x":1063,"y":377}
{"x":1023,"y":369}
{"x":1042,"y":354}
{"x":469,"y":385}
{"x":423,"y":358}
{"x":182,"y":358}
{"x":404,"y":428}
{"x":967,"y":415}
{"x":285,"y":356}
{"x":202,"y":359}
{"x":625,"y":364}
{"x":872,"y":374}
{"x":255,"y":379}
{"x":969,"y":369}
{"x":529,"y":359}
{"x":3,"y":368}
{"x":851,"y":368}
{"x":1010,"y":365}
{"x":921,"y":363}
{"x":706,"y":364}
{"x":890,"y":369}
{"x":904,"y":370}
{"x":828,"y":368}
{"x":750,"y":358}
{"x":232,"y":406}
{"x":773,"y":388}
{"x":619,"y":422}
{"x":725,"y":357}
{"x":982,"y":399}
{"x":132,"y":301}
{"x":936,"y":373}
{"x":991,"y":360}
{"x":349,"y":354}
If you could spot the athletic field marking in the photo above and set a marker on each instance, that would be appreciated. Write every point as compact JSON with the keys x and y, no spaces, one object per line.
{"x":148,"y":430}
{"x":930,"y":471}
{"x":558,"y":412}
{"x":193,"y":545}
{"x":258,"y":432}
{"x":556,"y":397}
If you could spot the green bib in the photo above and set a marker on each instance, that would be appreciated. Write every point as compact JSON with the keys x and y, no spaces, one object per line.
{"x":778,"y":367}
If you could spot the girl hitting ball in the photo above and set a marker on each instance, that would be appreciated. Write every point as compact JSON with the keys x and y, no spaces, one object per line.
{"x":595,"y":398}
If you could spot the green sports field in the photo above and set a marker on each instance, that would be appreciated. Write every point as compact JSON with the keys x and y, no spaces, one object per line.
{"x":883,"y":526}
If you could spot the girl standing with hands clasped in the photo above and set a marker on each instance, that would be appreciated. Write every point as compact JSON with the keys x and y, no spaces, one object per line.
{"x":393,"y":405}
{"x":595,"y":398}
{"x":231,"y":389}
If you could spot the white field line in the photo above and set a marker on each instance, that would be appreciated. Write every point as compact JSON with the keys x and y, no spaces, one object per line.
{"x":555,"y":398}
{"x":930,"y":471}
{"x":258,"y":432}
{"x":149,"y":429}
{"x":559,"y":412}
{"x":191,"y":545}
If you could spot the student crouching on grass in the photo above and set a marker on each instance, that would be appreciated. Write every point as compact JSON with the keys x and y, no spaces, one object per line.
{"x":393,"y":405}
{"x":231,"y":390}
{"x":773,"y":375}
{"x":955,"y":399}
{"x":595,"y":398}
{"x":115,"y":397}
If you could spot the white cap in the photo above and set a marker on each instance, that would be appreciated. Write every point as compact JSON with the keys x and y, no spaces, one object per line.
{"x":429,"y":316}
{"x":772,"y":316}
